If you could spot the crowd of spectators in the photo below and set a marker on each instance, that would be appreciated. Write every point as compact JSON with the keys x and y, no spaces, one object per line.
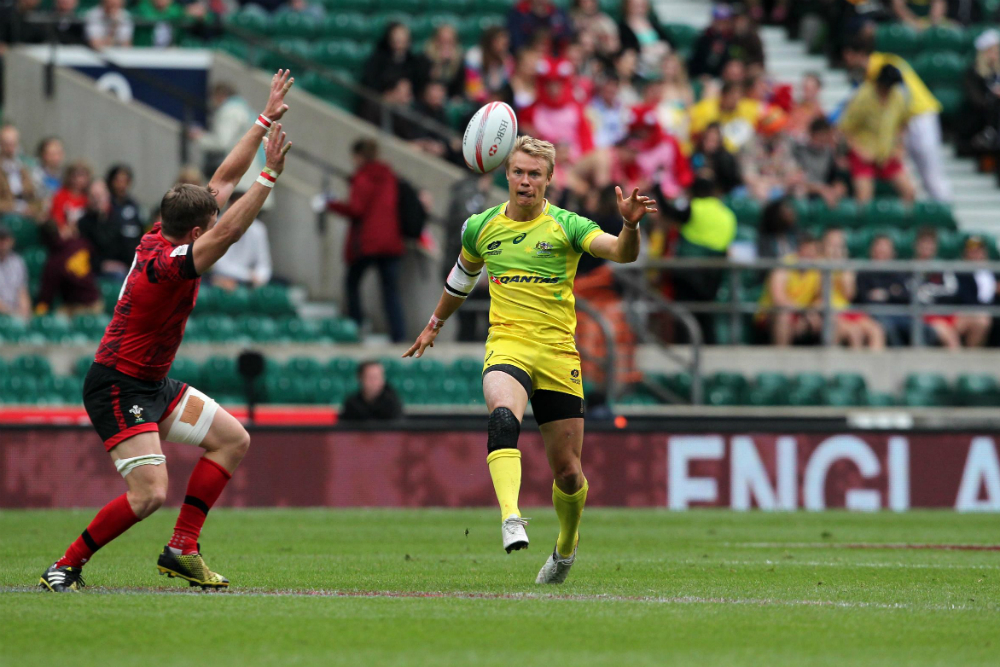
{"x":89,"y":228}
{"x":698,"y":127}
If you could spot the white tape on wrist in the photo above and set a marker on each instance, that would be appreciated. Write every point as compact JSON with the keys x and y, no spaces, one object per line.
{"x":461,"y":282}
{"x":125,"y":466}
{"x":268,"y":177}
{"x":264,"y":122}
{"x":435,"y":323}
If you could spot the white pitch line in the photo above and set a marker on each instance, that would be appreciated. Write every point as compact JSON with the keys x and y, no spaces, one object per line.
{"x":467,"y":595}
{"x":926,"y":566}
{"x":864,"y":545}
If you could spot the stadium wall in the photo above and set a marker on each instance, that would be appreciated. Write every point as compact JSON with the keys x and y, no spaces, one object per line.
{"x":44,"y":467}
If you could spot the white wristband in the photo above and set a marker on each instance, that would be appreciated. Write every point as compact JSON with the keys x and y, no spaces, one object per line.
{"x":264,"y":122}
{"x":435,"y":323}
{"x":268,"y":178}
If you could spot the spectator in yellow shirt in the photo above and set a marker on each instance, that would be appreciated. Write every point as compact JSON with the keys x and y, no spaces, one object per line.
{"x":923,"y":135}
{"x":736,"y":115}
{"x":873,"y":124}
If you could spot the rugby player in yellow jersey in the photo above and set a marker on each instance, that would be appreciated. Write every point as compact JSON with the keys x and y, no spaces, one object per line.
{"x":531,"y":250}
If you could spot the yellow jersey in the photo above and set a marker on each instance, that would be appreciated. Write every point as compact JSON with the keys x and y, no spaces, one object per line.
{"x":531,"y":267}
{"x":920,"y":97}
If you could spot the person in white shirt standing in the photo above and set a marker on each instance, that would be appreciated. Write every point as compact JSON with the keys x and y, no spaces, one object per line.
{"x":248,"y":261}
{"x":109,"y":24}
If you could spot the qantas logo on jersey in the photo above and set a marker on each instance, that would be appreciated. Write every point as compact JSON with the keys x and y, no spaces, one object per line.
{"x":530,"y":278}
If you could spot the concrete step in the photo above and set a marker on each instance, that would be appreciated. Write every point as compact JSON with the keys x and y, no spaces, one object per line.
{"x":688,"y":12}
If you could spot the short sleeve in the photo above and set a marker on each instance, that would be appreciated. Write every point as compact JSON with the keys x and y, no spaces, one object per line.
{"x":582,"y":232}
{"x":469,"y":234}
{"x":172,"y":265}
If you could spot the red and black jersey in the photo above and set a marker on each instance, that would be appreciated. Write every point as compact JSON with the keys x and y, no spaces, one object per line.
{"x":158,"y":296}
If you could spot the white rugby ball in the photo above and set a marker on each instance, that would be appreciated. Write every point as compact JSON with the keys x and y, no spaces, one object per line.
{"x":489,"y":137}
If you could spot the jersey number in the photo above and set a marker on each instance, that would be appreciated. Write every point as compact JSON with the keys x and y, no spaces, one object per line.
{"x":131,"y":269}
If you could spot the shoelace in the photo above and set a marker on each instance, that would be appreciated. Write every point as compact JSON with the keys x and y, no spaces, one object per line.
{"x":79,"y":581}
{"x":519,"y":520}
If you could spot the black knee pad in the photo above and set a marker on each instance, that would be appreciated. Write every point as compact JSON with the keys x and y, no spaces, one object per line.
{"x":503,"y":430}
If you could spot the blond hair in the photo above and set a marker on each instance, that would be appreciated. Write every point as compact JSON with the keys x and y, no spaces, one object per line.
{"x":535,"y":148}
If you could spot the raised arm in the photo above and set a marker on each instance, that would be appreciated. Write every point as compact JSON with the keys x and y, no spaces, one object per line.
{"x":624,"y":248}
{"x":214,"y":243}
{"x":460,"y":283}
{"x":241,"y":157}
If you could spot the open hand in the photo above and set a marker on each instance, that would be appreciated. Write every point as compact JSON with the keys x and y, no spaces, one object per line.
{"x":281,"y":83}
{"x":424,"y":341}
{"x":636,"y":206}
{"x":276,"y":148}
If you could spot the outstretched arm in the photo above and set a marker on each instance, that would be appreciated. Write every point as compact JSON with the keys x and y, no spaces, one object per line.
{"x":213,"y":244}
{"x":624,"y":248}
{"x":241,"y":157}
{"x":460,"y":282}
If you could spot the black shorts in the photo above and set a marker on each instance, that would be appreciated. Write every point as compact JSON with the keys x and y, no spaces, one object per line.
{"x":121,"y":406}
{"x":548,"y":405}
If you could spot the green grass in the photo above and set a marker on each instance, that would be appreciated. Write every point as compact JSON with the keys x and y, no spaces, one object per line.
{"x":649,"y":588}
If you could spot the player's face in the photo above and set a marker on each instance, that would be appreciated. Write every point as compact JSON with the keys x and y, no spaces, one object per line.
{"x":527,"y":178}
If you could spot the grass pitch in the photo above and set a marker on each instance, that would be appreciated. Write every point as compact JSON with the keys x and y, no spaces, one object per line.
{"x":319,"y":587}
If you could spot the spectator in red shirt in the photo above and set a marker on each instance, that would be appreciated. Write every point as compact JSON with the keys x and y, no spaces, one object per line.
{"x":374,"y":238}
{"x":70,"y":201}
{"x":69,"y":276}
{"x":556,"y":115}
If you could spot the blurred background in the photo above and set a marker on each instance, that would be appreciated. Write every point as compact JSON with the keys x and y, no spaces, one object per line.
{"x":824,"y":259}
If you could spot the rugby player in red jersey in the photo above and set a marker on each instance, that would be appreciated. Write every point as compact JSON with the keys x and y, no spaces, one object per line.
{"x":128,"y":396}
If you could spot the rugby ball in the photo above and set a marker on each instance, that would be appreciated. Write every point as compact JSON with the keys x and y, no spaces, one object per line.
{"x":489,"y":137}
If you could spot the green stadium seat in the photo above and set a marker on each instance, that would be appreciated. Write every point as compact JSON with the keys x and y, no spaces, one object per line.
{"x":186,"y":370}
{"x":979,"y":390}
{"x":345,"y":25}
{"x":770,"y":389}
{"x":467,"y":367}
{"x":747,"y":210}
{"x":887,"y":213}
{"x":293,"y":24}
{"x":219,"y":375}
{"x":850,"y":381}
{"x":110,"y":290}
{"x":681,"y":35}
{"x":501,"y":7}
{"x":330,"y":90}
{"x":950,"y":244}
{"x":208,"y":301}
{"x":91,"y":326}
{"x":846,"y":215}
{"x":471,"y":28}
{"x":943,"y":38}
{"x":881,"y":399}
{"x":233,"y":46}
{"x":350,"y":5}
{"x":216,"y":328}
{"x":303,"y":367}
{"x":807,"y":389}
{"x":941,"y":67}
{"x":455,"y":6}
{"x":897,"y":38}
{"x":52,"y":327}
{"x":342,"y":367}
{"x":12,"y":329}
{"x":923,"y":389}
{"x":285,"y":53}
{"x":300,"y":331}
{"x":841,"y":397}
{"x":680,"y":385}
{"x":720,"y":395}
{"x":251,"y":18}
{"x":271,"y":300}
{"x":340,"y":329}
{"x":329,"y":390}
{"x":34,"y":258}
{"x":31,"y":365}
{"x":82,"y":365}
{"x":18,"y":389}
{"x":414,"y":7}
{"x":257,"y":328}
{"x":933,"y":214}
{"x":25,"y":230}
{"x":951,"y":97}
{"x":236,"y":302}
{"x":68,"y":388}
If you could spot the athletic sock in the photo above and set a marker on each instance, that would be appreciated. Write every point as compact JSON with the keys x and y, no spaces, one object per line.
{"x":569,"y":508}
{"x":114,"y":519}
{"x":505,"y":469}
{"x":204,"y":488}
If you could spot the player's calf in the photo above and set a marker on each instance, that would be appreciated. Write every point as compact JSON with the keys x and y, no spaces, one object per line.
{"x":504,"y":461}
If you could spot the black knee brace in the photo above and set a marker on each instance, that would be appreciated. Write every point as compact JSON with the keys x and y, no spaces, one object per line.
{"x":503,"y":430}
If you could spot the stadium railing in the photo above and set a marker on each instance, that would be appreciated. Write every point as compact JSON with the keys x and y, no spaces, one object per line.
{"x":735,"y":307}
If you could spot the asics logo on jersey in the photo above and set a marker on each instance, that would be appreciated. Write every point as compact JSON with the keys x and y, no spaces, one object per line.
{"x":519,"y":238}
